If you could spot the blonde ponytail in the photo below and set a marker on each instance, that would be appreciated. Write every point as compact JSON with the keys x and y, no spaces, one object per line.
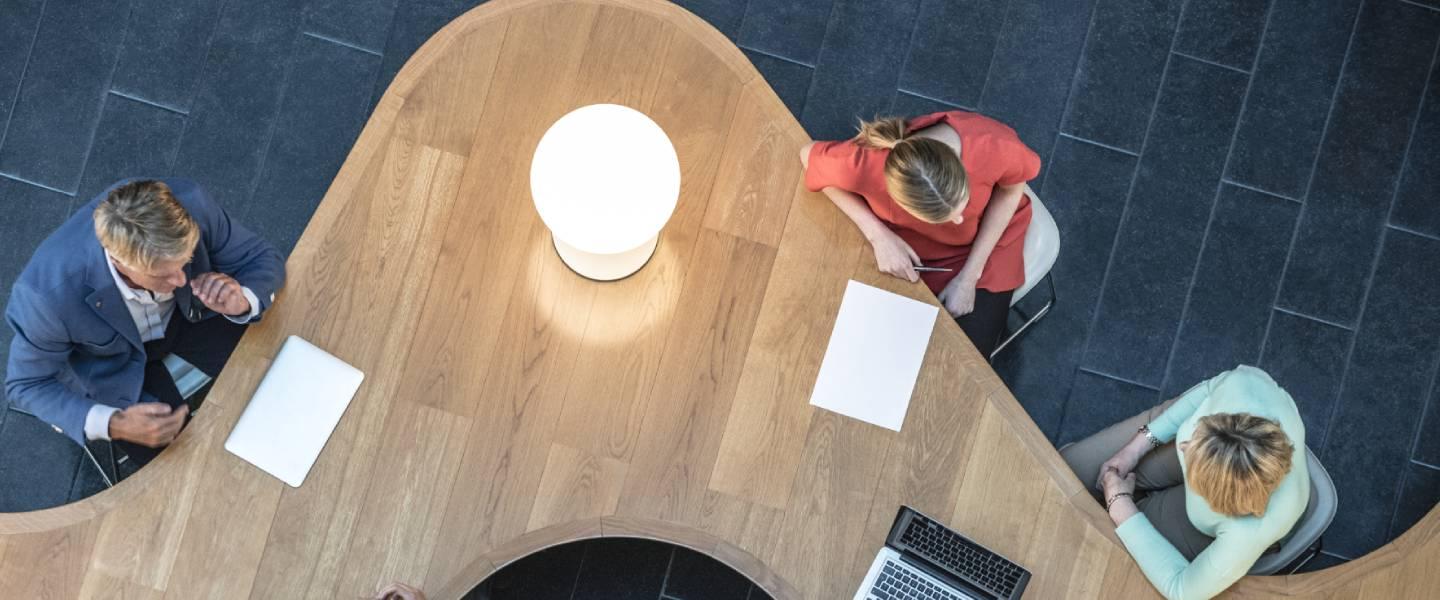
{"x":923,"y":175}
{"x":883,"y":132}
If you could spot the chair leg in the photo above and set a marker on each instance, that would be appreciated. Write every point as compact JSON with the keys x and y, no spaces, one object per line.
{"x":1031,"y":321}
{"x":1310,"y":555}
{"x":98,"y":469}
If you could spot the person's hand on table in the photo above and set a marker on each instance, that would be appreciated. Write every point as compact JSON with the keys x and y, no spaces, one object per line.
{"x":958,"y":296}
{"x":221,"y":293}
{"x":895,"y":257}
{"x":1125,"y":460}
{"x":1119,"y":498}
{"x":152,"y":424}
{"x":399,"y":591}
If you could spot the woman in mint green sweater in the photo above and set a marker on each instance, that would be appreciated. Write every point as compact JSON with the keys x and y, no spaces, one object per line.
{"x":1203,"y":485}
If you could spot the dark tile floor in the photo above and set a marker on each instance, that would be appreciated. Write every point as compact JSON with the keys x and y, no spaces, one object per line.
{"x":1236,"y":181}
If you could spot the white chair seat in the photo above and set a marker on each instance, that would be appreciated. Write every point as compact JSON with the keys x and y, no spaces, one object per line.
{"x":1042,"y":246}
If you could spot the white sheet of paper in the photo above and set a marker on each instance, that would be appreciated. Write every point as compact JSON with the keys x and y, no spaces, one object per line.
{"x":874,"y":356}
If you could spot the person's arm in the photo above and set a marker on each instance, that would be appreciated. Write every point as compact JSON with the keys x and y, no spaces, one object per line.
{"x":1165,"y":426}
{"x":892,"y":254}
{"x":39,"y":352}
{"x":1219,"y":566}
{"x":254,"y":263}
{"x":1003,"y":205}
{"x":959,"y":295}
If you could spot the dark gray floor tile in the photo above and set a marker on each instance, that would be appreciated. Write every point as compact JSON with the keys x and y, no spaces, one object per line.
{"x":622,"y":569}
{"x":694,"y":576}
{"x":319,"y":119}
{"x":794,"y":29}
{"x":758,"y":594}
{"x":414,"y":22}
{"x":1235,"y":283}
{"x":908,"y":105}
{"x":1427,"y":446}
{"x":37,"y":467}
{"x":1290,"y":97}
{"x":134,"y":139}
{"x":1097,"y":402}
{"x":59,"y":102}
{"x":1222,"y":31}
{"x":791,"y":81}
{"x":1417,"y":201}
{"x":1359,"y":160}
{"x":237,"y":99}
{"x":31,"y":214}
{"x":724,"y":15}
{"x":1165,"y":220}
{"x":361,"y":23}
{"x":1120,"y":71}
{"x":1419,"y":494}
{"x":164,"y":50}
{"x":857,"y":70}
{"x":546,"y":575}
{"x":1385,"y":391}
{"x":1307,"y":358}
{"x":1085,"y":192}
{"x":951,"y":49}
{"x":1033,"y":67}
{"x":19,"y":22}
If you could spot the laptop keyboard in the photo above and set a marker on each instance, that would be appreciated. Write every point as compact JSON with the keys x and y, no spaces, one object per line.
{"x":898,"y":582}
{"x":969,"y":560}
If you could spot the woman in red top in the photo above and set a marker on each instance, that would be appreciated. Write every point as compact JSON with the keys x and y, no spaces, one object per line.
{"x":945,"y":191}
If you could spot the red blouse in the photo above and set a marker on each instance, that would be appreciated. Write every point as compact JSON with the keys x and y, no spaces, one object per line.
{"x":992,"y":155}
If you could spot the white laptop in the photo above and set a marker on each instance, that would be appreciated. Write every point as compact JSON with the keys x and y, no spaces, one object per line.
{"x":294,"y":411}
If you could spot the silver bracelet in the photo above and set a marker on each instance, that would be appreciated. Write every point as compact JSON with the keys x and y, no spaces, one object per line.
{"x":1154,"y":441}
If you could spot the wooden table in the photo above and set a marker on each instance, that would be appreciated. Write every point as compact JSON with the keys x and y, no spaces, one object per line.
{"x":510,"y":405}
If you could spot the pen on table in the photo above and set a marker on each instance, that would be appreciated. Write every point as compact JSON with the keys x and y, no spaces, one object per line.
{"x":933,"y":269}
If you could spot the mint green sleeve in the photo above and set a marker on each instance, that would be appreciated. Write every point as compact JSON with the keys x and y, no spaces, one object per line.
{"x":1220,"y":565}
{"x":1165,"y":426}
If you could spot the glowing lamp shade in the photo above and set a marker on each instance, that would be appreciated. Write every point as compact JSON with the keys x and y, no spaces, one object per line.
{"x":605,"y":180}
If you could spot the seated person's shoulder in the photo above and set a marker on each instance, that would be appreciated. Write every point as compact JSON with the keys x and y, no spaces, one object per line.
{"x":1250,"y":378}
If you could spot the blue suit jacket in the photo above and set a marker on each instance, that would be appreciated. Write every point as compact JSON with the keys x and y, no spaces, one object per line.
{"x":75,"y":343}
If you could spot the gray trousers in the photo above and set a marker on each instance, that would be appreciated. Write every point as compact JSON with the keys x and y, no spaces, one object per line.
{"x":1159,"y":482}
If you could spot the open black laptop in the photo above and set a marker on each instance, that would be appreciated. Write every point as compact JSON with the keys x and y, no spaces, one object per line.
{"x":924,"y":560}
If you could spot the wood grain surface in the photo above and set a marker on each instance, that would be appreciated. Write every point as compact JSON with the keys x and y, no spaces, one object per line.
{"x":510,"y":405}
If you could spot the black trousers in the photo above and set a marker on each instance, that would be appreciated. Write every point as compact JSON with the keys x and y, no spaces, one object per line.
{"x":986,"y":324}
{"x":207,"y":345}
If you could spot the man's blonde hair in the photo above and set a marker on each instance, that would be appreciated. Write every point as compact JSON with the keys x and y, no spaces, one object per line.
{"x":1236,"y":460}
{"x":141,"y":223}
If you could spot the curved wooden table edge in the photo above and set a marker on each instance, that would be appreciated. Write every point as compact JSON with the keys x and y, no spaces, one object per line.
{"x":382,"y":119}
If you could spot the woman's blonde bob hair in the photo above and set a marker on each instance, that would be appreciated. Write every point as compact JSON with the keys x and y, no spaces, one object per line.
{"x":923,"y":175}
{"x":141,"y":223}
{"x":1236,"y":460}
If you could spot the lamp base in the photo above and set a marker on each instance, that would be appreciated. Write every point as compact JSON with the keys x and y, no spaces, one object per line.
{"x":605,"y":267}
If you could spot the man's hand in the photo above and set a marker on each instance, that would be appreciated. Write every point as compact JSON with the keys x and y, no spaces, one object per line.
{"x":152,"y":424}
{"x":220,"y":293}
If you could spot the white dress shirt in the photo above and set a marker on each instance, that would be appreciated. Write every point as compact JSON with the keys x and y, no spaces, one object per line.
{"x":151,"y":313}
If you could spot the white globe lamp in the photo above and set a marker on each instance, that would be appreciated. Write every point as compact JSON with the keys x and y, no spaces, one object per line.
{"x":605,"y":179}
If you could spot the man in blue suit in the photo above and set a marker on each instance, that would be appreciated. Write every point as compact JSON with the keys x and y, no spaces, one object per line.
{"x":145,"y":269}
